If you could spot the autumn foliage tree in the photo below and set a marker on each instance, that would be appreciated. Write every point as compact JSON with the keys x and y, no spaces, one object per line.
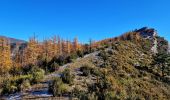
{"x":54,"y":46}
{"x":47,"y":50}
{"x":31,"y":51}
{"x":36,"y":53}
{"x":18,"y":57}
{"x":5,"y":56}
{"x":75,"y":44}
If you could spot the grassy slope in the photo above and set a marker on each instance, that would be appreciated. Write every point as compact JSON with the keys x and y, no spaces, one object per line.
{"x":126,"y":66}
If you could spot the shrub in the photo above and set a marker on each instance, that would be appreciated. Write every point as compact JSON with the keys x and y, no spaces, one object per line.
{"x":68,"y":59}
{"x":104,"y":55}
{"x":80,"y":53}
{"x":109,"y":96}
{"x":73,"y":56}
{"x":9,"y":87}
{"x":16,"y":71}
{"x":15,"y":84}
{"x":25,"y":85}
{"x":110,"y":52}
{"x":54,"y":67}
{"x":86,"y":69}
{"x":44,"y":63}
{"x":96,"y":72}
{"x":57,"y":88}
{"x":60,"y":60}
{"x":38,"y":74}
{"x":67,"y":77}
{"x":76,"y":91}
{"x":83,"y":96}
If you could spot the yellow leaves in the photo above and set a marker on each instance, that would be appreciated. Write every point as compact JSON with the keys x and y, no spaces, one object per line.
{"x":31,"y":52}
{"x":48,"y":49}
{"x":5,"y":56}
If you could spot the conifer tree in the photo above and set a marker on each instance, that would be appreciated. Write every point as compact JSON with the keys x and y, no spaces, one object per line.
{"x":17,"y":59}
{"x":32,"y":51}
{"x":5,"y":56}
{"x":64,"y":47}
{"x":75,"y":44}
{"x":54,"y":46}
{"x":59,"y":46}
{"x":68,"y":47}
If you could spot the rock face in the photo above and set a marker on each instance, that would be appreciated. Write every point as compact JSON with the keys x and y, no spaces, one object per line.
{"x":148,"y":33}
{"x":151,"y":34}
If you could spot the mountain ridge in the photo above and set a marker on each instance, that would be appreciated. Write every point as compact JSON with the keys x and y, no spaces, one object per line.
{"x":13,"y":40}
{"x":122,"y":68}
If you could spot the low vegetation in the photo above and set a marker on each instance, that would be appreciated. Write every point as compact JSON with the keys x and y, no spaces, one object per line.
{"x":57,"y":87}
{"x":67,"y":77}
{"x":123,"y":68}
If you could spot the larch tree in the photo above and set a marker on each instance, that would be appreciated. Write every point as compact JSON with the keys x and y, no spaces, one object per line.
{"x":5,"y":56}
{"x":68,"y":47}
{"x":75,"y":44}
{"x":46,"y":49}
{"x":18,"y":57}
{"x":54,"y":46}
{"x":59,"y":43}
{"x":64,"y":47}
{"x":31,"y":51}
{"x":90,"y":45}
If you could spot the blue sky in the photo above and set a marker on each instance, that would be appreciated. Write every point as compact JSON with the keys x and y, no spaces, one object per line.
{"x":96,"y":19}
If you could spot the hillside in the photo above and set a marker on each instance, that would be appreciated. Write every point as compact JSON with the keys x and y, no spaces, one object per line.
{"x":127,"y":69}
{"x":133,"y":66}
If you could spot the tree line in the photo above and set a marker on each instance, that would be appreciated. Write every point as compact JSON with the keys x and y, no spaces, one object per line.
{"x":35,"y":52}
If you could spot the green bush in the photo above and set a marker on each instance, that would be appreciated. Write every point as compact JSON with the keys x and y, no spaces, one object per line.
{"x":109,"y":96}
{"x":9,"y":87}
{"x":57,"y":88}
{"x":15,"y":84}
{"x":60,"y":60}
{"x":96,"y":72}
{"x":76,"y":91}
{"x":16,"y":71}
{"x":54,"y":67}
{"x":25,"y":85}
{"x":67,"y":77}
{"x":103,"y":54}
{"x":86,"y":69}
{"x":80,"y":53}
{"x":37,"y":74}
{"x":73,"y":56}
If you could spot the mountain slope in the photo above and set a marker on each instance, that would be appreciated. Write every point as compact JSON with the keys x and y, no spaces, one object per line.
{"x":133,"y":66}
{"x":123,"y":69}
{"x":121,"y":72}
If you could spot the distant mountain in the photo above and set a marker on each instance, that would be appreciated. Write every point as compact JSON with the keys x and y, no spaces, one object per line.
{"x":16,"y":44}
{"x":13,"y":40}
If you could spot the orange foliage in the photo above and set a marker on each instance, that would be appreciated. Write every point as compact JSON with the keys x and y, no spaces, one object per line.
{"x":5,"y":56}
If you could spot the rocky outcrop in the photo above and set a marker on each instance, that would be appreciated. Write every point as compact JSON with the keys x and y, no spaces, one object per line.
{"x":151,"y":34}
{"x":148,"y":33}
